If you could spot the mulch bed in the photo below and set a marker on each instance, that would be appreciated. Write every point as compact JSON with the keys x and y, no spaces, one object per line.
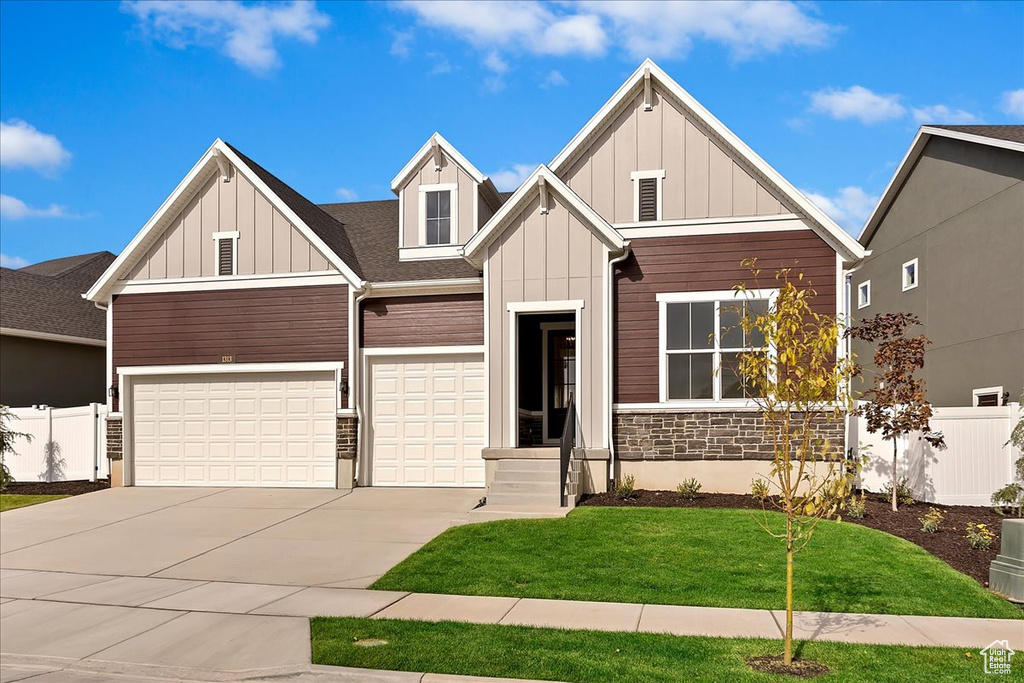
{"x":801,"y":668}
{"x":948,"y":544}
{"x":57,"y":488}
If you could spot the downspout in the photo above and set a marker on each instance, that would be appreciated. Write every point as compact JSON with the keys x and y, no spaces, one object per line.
{"x":355,"y":384}
{"x":848,"y":343}
{"x":608,"y":362}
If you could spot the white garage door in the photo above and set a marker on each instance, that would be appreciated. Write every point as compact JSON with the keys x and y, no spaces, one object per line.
{"x":427,"y":421}
{"x":273,"y":429}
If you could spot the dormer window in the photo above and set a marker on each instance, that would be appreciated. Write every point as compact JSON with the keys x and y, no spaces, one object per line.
{"x":439,"y":213}
{"x":226,"y":253}
{"x":647,"y":190}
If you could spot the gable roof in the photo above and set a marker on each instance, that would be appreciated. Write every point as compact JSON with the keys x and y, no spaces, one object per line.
{"x":487,"y":189}
{"x":45,"y":299}
{"x":827,"y":228}
{"x":316,"y":226}
{"x":1004,"y":137}
{"x":511,"y":208}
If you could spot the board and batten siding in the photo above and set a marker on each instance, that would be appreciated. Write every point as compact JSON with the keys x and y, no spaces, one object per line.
{"x":273,"y":325}
{"x":267,"y":242}
{"x":701,"y":179}
{"x":695,"y":264}
{"x":547,"y":257}
{"x":448,"y":320}
{"x":426,"y":175}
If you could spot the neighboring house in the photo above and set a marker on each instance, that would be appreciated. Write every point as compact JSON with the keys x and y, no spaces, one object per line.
{"x":51,"y":339}
{"x":435,"y":339}
{"x":946,"y":243}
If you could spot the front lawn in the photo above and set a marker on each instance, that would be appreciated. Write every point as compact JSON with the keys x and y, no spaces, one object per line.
{"x":592,"y":656}
{"x":10,"y":501}
{"x":706,"y":557}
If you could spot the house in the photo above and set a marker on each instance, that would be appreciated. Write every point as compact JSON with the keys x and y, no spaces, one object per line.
{"x":440,"y":338}
{"x":51,"y":340}
{"x":946,"y":243}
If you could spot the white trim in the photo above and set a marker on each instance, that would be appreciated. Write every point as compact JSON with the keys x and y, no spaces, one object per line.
{"x":545,"y":328}
{"x":453,"y":216}
{"x":715,"y":295}
{"x":400,"y":180}
{"x":487,"y":357}
{"x":217,"y":237}
{"x":689,"y":406}
{"x":233,"y":282}
{"x":49,"y":336}
{"x":227,"y":368}
{"x":431,"y":252}
{"x":658,"y":175}
{"x":863,"y":295}
{"x":232,"y":234}
{"x":827,"y":228}
{"x":353,"y":343}
{"x":545,"y":306}
{"x":422,"y":350}
{"x":978,"y":393}
{"x":517,"y":202}
{"x":110,"y":356}
{"x":790,"y":222}
{"x":907,"y":286}
{"x":426,"y":287}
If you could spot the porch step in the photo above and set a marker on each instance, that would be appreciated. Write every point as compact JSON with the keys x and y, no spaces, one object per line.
{"x":489,"y":514}
{"x":546,"y":486}
{"x":533,"y":465}
{"x":521,"y":499}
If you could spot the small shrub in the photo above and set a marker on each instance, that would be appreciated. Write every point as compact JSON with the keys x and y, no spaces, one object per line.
{"x":688,"y":488}
{"x":979,"y":536}
{"x":1009,"y":500}
{"x":931,"y":521}
{"x":759,"y":490}
{"x":626,"y":487}
{"x":904,"y":494}
{"x":856,"y":508}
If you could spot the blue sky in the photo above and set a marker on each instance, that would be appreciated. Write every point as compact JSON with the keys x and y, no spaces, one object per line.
{"x":106,"y":106}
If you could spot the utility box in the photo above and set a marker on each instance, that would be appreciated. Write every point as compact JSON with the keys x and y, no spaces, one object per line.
{"x":1006,"y":575}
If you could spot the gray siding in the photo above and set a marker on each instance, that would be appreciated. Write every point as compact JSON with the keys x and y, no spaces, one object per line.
{"x":35,"y":372}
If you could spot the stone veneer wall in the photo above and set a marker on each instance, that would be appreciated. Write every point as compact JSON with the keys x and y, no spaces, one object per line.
{"x":115,"y":438}
{"x":703,"y":435}
{"x":347,"y":433}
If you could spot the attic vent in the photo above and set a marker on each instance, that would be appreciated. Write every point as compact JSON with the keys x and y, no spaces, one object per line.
{"x":226,"y":248}
{"x":648,"y":197}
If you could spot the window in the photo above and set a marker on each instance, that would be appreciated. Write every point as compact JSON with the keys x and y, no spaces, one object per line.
{"x":864,"y":294}
{"x":647,"y":191}
{"x":701,"y":344}
{"x":910,"y":275}
{"x":226,"y":253}
{"x":438,"y":214}
{"x":989,"y":397}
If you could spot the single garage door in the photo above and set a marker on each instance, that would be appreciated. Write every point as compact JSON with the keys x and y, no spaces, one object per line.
{"x":275,"y":429}
{"x":427,"y":421}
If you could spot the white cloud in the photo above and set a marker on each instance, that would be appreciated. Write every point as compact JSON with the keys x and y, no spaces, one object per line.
{"x":554,"y":79}
{"x":495,"y":63}
{"x":347,"y":193}
{"x":12,"y":261}
{"x":246,"y":33}
{"x":22,"y":146}
{"x":940,"y":113}
{"x":441,"y":64}
{"x":850,"y":207}
{"x":1012,"y":103}
{"x":400,"y":43}
{"x":14,"y":209}
{"x":508,"y":179}
{"x":857,"y":102}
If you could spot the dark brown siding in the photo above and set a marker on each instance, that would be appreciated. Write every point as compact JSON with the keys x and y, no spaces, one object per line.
{"x":449,"y":320}
{"x":694,"y":264}
{"x":280,"y":325}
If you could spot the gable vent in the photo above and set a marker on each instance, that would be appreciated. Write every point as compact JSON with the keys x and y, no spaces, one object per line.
{"x":648,"y":199}
{"x":225,"y":256}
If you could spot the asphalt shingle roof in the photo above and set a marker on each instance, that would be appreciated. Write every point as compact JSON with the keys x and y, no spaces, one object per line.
{"x":1010,"y":133}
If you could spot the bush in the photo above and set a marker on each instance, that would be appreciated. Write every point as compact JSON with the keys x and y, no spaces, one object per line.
{"x":904,"y":494}
{"x":979,"y":536}
{"x":856,"y":508}
{"x":688,"y":488}
{"x":931,"y":520}
{"x":625,"y":488}
{"x":1009,"y":499}
{"x":759,"y":490}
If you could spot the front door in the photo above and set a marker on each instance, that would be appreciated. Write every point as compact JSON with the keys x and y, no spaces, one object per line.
{"x":560,"y":380}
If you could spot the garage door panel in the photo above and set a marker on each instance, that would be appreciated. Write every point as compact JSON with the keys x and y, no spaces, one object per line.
{"x":235,"y":430}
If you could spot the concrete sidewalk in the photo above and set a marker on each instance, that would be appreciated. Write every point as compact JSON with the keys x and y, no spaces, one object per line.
{"x":190,"y":623}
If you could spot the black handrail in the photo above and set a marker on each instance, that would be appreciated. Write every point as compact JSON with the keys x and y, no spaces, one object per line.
{"x":565,"y":446}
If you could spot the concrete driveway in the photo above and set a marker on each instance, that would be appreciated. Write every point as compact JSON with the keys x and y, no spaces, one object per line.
{"x":289,"y":537}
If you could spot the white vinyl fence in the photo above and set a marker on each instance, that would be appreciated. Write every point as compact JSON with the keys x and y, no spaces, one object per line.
{"x":67,"y":444}
{"x":975,"y":463}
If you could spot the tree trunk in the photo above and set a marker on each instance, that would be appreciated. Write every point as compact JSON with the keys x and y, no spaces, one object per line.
{"x":894,"y":474}
{"x":788,"y":656}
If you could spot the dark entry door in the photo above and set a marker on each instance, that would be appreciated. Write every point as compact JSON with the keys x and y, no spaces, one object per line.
{"x":561,"y":378}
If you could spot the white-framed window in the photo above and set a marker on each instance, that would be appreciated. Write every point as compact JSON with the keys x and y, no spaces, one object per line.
{"x":225,"y":255}
{"x":988,"y":397}
{"x":647,"y":194}
{"x":700,"y":342}
{"x":439,"y":209}
{"x":864,"y":294}
{"x":911,"y":274}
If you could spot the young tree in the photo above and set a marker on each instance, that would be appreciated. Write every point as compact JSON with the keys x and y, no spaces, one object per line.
{"x":7,"y":438}
{"x":801,"y":386}
{"x":896,"y":404}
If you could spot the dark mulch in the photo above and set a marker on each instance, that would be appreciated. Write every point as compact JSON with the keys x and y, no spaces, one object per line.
{"x":948,"y":544}
{"x":801,"y":668}
{"x":57,"y":488}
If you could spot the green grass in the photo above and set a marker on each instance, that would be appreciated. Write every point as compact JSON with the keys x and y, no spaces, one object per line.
{"x":714,"y":558}
{"x":592,"y":656}
{"x":10,"y":501}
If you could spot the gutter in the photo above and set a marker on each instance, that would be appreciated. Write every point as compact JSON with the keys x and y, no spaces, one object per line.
{"x":356,"y":380}
{"x":626,"y":251}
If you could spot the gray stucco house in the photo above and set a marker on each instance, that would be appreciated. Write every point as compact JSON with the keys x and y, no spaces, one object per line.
{"x":52,"y":341}
{"x":946,"y":243}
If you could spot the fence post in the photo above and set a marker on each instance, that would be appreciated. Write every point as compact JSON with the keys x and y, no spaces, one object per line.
{"x":48,"y":450}
{"x":94,"y":408}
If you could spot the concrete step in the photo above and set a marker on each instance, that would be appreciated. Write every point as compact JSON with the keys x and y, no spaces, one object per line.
{"x":542,"y":475}
{"x":539,"y":487}
{"x":528,"y":466}
{"x":530,"y":500}
{"x":489,"y":514}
